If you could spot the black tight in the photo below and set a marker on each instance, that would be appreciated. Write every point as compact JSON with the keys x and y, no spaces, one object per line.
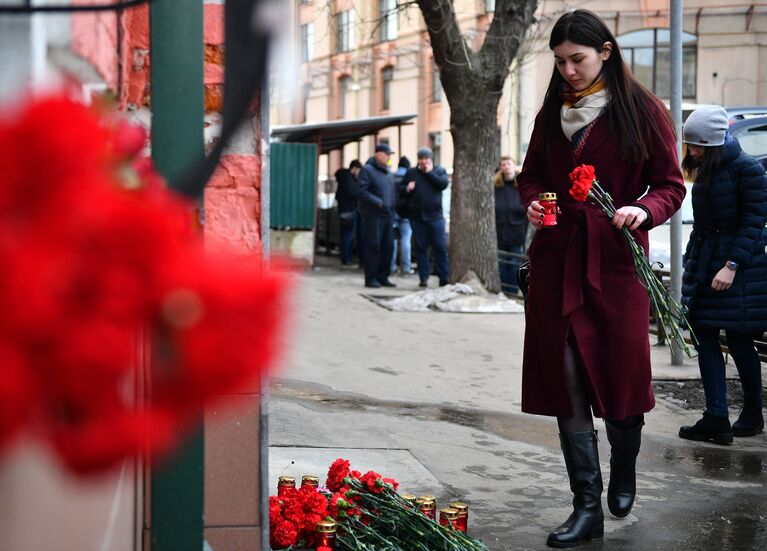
{"x":582,"y":420}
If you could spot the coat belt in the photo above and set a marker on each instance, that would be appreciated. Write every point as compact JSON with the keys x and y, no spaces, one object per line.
{"x":583,"y":263}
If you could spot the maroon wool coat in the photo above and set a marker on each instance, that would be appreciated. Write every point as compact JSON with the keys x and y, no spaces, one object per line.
{"x":582,"y":275}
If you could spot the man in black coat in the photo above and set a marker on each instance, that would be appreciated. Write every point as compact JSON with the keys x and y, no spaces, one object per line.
{"x":424,"y":184}
{"x":376,"y":202}
{"x":346,"y":195}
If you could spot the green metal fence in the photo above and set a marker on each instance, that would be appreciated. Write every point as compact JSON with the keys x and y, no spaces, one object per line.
{"x":292,"y":186}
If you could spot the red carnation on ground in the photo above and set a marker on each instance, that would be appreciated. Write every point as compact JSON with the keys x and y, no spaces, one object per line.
{"x":336,"y":474}
{"x":582,"y":178}
{"x":283,"y":535}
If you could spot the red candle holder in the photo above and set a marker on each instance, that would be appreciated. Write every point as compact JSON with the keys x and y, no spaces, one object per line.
{"x":449,"y":517}
{"x":285,"y":484}
{"x":309,"y":480}
{"x":462,"y":522}
{"x":325,"y":534}
{"x":428,"y":506}
{"x":548,"y":202}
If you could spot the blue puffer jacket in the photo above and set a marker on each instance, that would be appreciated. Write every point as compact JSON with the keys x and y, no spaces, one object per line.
{"x":730,"y":214}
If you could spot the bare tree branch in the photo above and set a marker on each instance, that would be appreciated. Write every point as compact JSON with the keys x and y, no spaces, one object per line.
{"x":511,"y":22}
{"x":451,"y":53}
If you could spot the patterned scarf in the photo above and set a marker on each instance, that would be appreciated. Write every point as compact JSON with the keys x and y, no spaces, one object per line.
{"x":580,"y":110}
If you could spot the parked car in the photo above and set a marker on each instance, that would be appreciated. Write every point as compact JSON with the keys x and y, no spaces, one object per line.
{"x":752,"y":135}
{"x":735,"y":114}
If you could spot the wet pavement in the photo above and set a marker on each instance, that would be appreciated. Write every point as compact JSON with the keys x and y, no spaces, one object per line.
{"x":435,"y":397}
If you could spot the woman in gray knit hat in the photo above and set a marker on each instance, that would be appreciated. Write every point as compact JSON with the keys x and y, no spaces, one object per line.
{"x":724,"y":285}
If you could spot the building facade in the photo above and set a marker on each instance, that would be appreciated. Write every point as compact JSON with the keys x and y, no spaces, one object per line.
{"x":362,"y":59}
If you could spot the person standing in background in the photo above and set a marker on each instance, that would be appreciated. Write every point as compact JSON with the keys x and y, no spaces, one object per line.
{"x":425,"y":184}
{"x":402,"y":230}
{"x":724,"y":285}
{"x":376,"y":201}
{"x":346,"y":196}
{"x":510,"y":223}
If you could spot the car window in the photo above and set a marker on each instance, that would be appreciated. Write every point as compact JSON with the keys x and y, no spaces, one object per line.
{"x":753,"y":140}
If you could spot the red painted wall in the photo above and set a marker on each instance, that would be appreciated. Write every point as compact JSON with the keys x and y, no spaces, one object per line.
{"x":118,"y":47}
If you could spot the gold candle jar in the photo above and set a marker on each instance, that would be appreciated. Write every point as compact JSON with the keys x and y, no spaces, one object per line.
{"x":462,"y":523}
{"x":448,"y":517}
{"x":309,"y":480}
{"x":428,"y":506}
{"x":285,"y":484}
{"x":326,"y":533}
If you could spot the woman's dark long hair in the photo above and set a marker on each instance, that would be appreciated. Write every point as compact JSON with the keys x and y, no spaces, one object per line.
{"x":700,"y":171}
{"x":629,"y":111}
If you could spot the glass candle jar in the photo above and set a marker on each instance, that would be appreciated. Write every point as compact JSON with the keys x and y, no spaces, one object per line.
{"x":285,"y":484}
{"x":428,"y":506}
{"x":326,"y":534}
{"x":308,"y":480}
{"x":548,"y":202}
{"x":462,"y":523}
{"x":448,"y":517}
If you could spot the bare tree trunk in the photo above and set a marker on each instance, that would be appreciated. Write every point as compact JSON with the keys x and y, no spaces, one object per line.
{"x":473,"y":242}
{"x":473,"y":84}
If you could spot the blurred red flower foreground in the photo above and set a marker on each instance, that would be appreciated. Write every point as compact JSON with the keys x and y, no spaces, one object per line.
{"x":99,"y":262}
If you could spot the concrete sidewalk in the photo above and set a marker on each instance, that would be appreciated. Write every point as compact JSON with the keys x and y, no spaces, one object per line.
{"x":433,"y":400}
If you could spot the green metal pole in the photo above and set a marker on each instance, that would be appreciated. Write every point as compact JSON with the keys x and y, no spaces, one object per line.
{"x":177,"y":483}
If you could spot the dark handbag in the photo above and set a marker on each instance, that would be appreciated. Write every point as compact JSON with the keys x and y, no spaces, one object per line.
{"x":523,"y":279}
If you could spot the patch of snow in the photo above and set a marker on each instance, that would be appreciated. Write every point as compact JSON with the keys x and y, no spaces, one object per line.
{"x":461,"y":297}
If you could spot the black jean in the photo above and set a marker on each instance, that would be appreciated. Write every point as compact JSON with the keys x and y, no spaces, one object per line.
{"x":378,"y":236}
{"x":712,"y":370}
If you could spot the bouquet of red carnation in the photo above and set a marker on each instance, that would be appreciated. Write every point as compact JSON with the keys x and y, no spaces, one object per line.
{"x":586,"y":186}
{"x":372,"y":515}
{"x":294,"y":517}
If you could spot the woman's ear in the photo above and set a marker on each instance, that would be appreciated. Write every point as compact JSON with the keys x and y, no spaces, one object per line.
{"x":607,"y":49}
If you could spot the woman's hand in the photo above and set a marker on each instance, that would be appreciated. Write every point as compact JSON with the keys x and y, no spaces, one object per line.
{"x":535,"y":214}
{"x":630,"y":217}
{"x":723,"y":279}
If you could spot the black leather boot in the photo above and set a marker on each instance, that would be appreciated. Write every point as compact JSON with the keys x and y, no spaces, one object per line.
{"x":750,"y":423}
{"x":624,"y":448}
{"x":587,"y":520}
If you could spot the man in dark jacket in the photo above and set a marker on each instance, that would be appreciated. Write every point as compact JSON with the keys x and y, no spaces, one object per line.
{"x":346,"y":195}
{"x":510,"y":223}
{"x":425,"y":184}
{"x":376,"y":204}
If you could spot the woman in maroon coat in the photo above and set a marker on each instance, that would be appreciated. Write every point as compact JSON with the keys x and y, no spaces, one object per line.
{"x":587,"y":321}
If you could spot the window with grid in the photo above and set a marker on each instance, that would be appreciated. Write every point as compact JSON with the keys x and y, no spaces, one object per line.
{"x":307,"y":42}
{"x":436,"y":83}
{"x":387,"y":75}
{"x":343,"y":94}
{"x":648,"y":54}
{"x":345,"y":31}
{"x":389,"y":26}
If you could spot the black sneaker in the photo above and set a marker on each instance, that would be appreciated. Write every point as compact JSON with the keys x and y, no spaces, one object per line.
{"x":373,"y":284}
{"x":387,"y":283}
{"x":423,"y":283}
{"x":444,"y":283}
{"x":709,"y":429}
{"x":750,"y":422}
